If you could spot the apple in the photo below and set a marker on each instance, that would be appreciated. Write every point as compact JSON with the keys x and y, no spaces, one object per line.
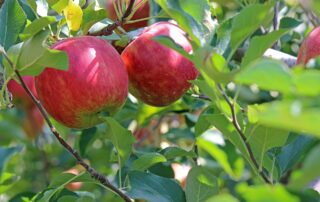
{"x":158,"y":75}
{"x":142,"y":133}
{"x":19,"y":96}
{"x":33,"y":122}
{"x":74,"y":186}
{"x":310,"y":48}
{"x":142,"y":12}
{"x":95,"y":83}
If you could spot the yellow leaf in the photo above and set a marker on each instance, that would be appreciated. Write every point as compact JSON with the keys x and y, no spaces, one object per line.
{"x":73,"y":14}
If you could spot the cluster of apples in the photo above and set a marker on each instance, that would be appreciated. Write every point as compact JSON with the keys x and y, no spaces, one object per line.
{"x":98,"y":78}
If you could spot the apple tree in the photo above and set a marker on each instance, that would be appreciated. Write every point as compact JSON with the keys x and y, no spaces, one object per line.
{"x":159,"y":100}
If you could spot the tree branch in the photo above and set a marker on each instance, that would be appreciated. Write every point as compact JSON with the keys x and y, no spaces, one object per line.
{"x":109,"y":29}
{"x":94,"y":174}
{"x":310,"y":15}
{"x":276,"y":22}
{"x":242,"y":135}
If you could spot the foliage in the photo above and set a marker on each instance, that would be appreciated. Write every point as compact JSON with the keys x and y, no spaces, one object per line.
{"x":253,"y":137}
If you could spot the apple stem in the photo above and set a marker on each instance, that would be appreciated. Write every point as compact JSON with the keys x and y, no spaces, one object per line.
{"x":94,"y":174}
{"x":236,"y":124}
{"x":109,"y":29}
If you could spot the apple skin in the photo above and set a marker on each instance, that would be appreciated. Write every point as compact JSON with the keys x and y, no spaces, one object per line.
{"x":158,"y":75}
{"x":19,"y":96}
{"x":74,"y":186}
{"x":96,"y":82}
{"x":33,"y":122}
{"x":310,"y":48}
{"x":142,"y":12}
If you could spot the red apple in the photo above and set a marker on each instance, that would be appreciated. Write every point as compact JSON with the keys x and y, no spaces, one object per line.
{"x":310,"y":48}
{"x":158,"y":75}
{"x":142,"y":12}
{"x":33,"y":122}
{"x":20,"y":96}
{"x":141,"y":133}
{"x":96,"y":82}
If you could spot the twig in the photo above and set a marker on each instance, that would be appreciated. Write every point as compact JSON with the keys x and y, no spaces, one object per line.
{"x":109,"y":29}
{"x":310,"y":15}
{"x":94,"y":174}
{"x":242,"y":135}
{"x":276,"y":23}
{"x":196,"y":151}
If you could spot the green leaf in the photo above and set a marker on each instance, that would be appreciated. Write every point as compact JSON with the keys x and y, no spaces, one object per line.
{"x":58,"y":5}
{"x":60,"y":194}
{"x":260,"y":44}
{"x":146,"y":112}
{"x":208,"y":88}
{"x":291,"y":154}
{"x":291,"y":115}
{"x":91,"y":16}
{"x":56,"y":188}
{"x":201,"y":185}
{"x":28,"y":10}
{"x":268,"y":75}
{"x":217,"y":119}
{"x":223,"y":37}
{"x":13,"y":53}
{"x":174,"y":152}
{"x":310,"y":170}
{"x":32,"y":56}
{"x":50,"y":58}
{"x":263,"y":138}
{"x":7,"y":180}
{"x":265,"y":193}
{"x":147,"y":160}
{"x":222,"y":158}
{"x":12,"y":22}
{"x":31,"y":50}
{"x":36,"y":26}
{"x":86,"y":139}
{"x":154,"y":188}
{"x":45,"y":195}
{"x":169,"y":42}
{"x":222,"y":198}
{"x":307,"y":82}
{"x":32,"y":5}
{"x":185,"y":20}
{"x":244,"y":24}
{"x":6,"y":153}
{"x":121,"y":138}
{"x":65,"y":178}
